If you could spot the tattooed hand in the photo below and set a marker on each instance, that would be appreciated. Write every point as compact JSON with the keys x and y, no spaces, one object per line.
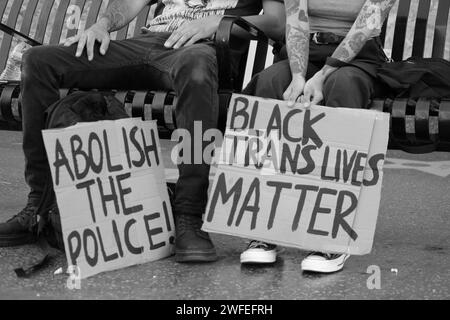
{"x":118,"y":14}
{"x":98,"y":32}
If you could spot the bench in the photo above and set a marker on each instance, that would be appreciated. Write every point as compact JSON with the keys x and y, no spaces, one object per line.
{"x":420,"y":29}
{"x":38,"y":15}
{"x":414,"y":28}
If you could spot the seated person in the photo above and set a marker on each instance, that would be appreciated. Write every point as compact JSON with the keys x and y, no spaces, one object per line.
{"x":175,"y":53}
{"x":333,"y":51}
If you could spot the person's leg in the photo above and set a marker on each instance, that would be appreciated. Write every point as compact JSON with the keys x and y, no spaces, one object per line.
{"x":352,"y":86}
{"x":45,"y":69}
{"x":194,"y":74}
{"x":271,"y":82}
{"x":349,"y":87}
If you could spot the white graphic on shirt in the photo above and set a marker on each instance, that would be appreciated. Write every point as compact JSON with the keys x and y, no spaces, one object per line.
{"x":176,"y":12}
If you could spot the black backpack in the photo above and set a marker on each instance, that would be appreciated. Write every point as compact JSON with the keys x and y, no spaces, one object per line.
{"x":417,"y":78}
{"x":74,"y":108}
{"x":77,"y":107}
{"x":413,"y":79}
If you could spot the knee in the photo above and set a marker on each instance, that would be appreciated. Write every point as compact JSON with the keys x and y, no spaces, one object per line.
{"x":345,"y":80}
{"x":197,"y":68}
{"x":270,"y":83}
{"x":347,"y":87}
{"x":34,"y":60}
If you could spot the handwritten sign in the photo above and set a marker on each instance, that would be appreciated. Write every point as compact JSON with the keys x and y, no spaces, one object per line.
{"x":109,"y":182}
{"x":305,"y":178}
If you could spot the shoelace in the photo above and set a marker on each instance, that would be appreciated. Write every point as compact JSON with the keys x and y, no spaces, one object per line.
{"x":186,"y":223}
{"x":25,"y":216}
{"x":257,"y":245}
{"x":327,"y":256}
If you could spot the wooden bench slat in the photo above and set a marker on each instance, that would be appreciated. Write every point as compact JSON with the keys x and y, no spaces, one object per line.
{"x":137,"y":105}
{"x":8,"y":93}
{"x":43,"y":20}
{"x":7,"y":39}
{"x":399,"y":119}
{"x":420,"y":30}
{"x":141,"y":20}
{"x":93,"y":13}
{"x":73,"y":32}
{"x":444,"y":121}
{"x":400,"y":30}
{"x":58,"y":24}
{"x":440,"y":31}
{"x":3,"y":5}
{"x":28,"y":16}
{"x":422,"y":119}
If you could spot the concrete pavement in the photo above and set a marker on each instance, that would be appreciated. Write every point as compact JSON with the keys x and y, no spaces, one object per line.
{"x":412,"y":249}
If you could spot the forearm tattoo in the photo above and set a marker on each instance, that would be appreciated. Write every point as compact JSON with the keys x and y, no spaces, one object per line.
{"x":116,"y":13}
{"x":297,"y":35}
{"x":369,"y":22}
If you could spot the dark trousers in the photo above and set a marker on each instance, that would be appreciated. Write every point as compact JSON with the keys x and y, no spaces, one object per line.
{"x":140,"y":63}
{"x":351,"y":86}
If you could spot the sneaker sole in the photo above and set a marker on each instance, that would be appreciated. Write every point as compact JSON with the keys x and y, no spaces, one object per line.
{"x":16,"y":240}
{"x":320,"y":267}
{"x":255,"y":258}
{"x":196,"y":255}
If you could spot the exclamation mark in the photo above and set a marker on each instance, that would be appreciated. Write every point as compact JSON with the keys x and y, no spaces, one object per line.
{"x":169,"y":227}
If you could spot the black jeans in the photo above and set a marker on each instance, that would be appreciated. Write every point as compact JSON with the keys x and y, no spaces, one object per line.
{"x":351,"y":86}
{"x":140,"y":63}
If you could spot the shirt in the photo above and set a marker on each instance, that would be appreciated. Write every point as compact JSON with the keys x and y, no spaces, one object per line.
{"x":336,"y":16}
{"x":176,"y":12}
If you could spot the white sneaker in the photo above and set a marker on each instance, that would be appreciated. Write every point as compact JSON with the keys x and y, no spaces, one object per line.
{"x":324,"y":262}
{"x":259,"y":252}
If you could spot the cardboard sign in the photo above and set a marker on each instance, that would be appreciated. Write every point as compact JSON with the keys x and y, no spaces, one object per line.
{"x":109,"y":182}
{"x":305,"y":178}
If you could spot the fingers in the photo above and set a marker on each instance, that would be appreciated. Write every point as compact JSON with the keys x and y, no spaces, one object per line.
{"x":174,"y":37}
{"x":104,"y":45}
{"x":306,"y":98}
{"x":292,"y":95}
{"x":317,"y":98}
{"x":186,"y":35}
{"x":311,"y":97}
{"x":193,"y":40}
{"x":90,"y":42}
{"x":87,"y":41}
{"x":70,"y":41}
{"x":185,"y":38}
{"x":287,"y":93}
{"x":81,"y":45}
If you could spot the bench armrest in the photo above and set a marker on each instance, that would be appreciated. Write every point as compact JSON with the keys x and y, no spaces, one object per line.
{"x":223,"y":42}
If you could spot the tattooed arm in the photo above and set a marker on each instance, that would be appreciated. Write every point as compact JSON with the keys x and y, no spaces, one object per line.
{"x":118,"y":14}
{"x":297,"y":44}
{"x":368,"y":24}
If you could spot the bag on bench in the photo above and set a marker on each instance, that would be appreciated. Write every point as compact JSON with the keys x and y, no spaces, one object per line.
{"x":417,"y":78}
{"x":414,"y":79}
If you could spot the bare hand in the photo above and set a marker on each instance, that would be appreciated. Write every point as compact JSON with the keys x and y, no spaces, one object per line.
{"x":98,"y":32}
{"x":313,"y":91}
{"x":191,"y":32}
{"x":295,"y":90}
